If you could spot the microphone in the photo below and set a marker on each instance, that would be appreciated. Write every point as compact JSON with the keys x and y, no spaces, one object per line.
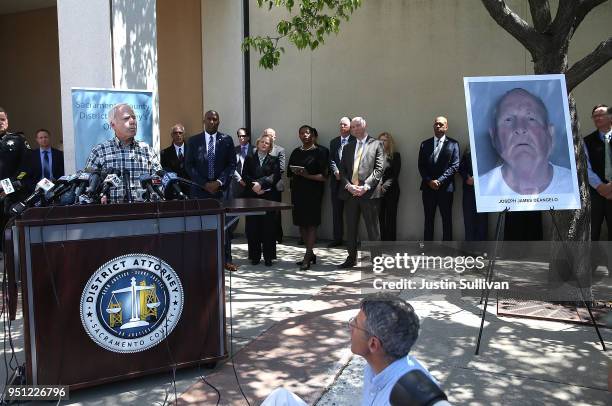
{"x":415,"y":388}
{"x":170,"y":180}
{"x":111,"y":180}
{"x":146,"y":182}
{"x":156,"y":182}
{"x":9,"y":185}
{"x":95,"y":180}
{"x":43,"y":186}
{"x":83,"y":181}
{"x":62,"y":186}
{"x":127,"y":194}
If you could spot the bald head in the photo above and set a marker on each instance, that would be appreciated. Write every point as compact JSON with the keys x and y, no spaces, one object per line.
{"x":440,"y":126}
{"x":270,"y":132}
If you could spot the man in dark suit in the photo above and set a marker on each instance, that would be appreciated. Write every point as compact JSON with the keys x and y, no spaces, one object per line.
{"x":599,"y":154}
{"x":173,"y":157}
{"x":336,"y":147}
{"x":45,"y":161}
{"x":361,"y":170}
{"x":438,"y":163}
{"x":242,"y":150}
{"x":210,"y":161}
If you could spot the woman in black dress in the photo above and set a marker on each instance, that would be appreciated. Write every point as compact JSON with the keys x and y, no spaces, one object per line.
{"x":390,"y":189}
{"x":260,"y":172}
{"x":307,"y":171}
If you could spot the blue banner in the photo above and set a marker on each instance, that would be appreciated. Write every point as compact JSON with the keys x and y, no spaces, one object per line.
{"x":90,"y":109}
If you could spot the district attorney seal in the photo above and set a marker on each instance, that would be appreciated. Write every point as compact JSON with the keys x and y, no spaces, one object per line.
{"x":131,"y":303}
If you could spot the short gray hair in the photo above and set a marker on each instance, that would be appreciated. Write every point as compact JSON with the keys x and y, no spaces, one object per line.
{"x":112,"y":113}
{"x":359,"y":120}
{"x":393,"y":321}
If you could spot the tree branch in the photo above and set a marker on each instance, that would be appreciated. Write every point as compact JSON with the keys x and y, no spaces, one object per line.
{"x":513,"y":24}
{"x":540,"y":13}
{"x":585,"y":8}
{"x":589,"y":64}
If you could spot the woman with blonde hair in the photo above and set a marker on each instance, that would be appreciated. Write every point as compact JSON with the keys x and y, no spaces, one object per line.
{"x":261,"y":171}
{"x":390,"y":189}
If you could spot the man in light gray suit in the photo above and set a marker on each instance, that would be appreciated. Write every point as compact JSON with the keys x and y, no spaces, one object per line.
{"x":361,"y":170}
{"x":278,"y":151}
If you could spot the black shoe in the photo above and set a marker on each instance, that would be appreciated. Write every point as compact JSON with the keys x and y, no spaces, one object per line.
{"x":334,"y":244}
{"x":308,"y":258}
{"x":268,"y":263}
{"x":348,"y":263}
{"x":279,"y":240}
{"x":314,"y":260}
{"x":300,"y":242}
{"x":255,"y":261}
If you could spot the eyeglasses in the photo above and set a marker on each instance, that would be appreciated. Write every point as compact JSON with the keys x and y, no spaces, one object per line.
{"x":178,"y":132}
{"x":352,"y":323}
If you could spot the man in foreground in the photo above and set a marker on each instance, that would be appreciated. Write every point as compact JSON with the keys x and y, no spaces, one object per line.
{"x":383,"y":332}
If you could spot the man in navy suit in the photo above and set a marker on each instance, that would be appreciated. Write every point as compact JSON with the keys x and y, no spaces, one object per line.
{"x":43,"y":162}
{"x":438,"y":163}
{"x":336,"y":147}
{"x":210,"y":161}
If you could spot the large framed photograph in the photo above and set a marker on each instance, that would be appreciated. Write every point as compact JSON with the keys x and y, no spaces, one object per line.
{"x":521,"y":143}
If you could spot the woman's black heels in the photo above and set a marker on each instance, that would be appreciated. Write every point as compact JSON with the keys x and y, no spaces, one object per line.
{"x":313,"y":260}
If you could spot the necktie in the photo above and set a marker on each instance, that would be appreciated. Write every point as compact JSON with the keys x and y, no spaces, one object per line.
{"x":608,"y":152}
{"x":45,"y":170}
{"x":355,"y":177}
{"x":437,"y":149}
{"x":243,"y":151}
{"x":180,"y":154}
{"x":261,"y":160}
{"x":342,"y":144}
{"x":210,"y":156}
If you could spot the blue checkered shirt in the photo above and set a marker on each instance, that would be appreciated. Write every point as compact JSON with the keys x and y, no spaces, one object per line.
{"x":138,"y":157}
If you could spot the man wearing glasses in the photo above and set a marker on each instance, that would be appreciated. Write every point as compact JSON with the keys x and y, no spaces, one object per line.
{"x":383,"y":332}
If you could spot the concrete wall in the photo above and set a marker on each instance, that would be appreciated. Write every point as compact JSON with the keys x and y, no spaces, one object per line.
{"x":85,"y":57}
{"x":30,"y":72}
{"x":179,"y":47}
{"x":399,"y":64}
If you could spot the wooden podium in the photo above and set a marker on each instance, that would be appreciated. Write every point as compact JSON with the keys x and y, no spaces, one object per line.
{"x":86,"y":312}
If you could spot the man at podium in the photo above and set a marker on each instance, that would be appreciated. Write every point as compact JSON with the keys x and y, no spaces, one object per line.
{"x":124,"y":155}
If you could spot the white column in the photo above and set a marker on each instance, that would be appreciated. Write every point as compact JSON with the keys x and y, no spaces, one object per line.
{"x":85,"y":57}
{"x":222,"y":62}
{"x":135,"y":50}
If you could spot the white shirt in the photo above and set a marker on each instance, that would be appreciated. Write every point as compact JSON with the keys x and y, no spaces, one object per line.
{"x":207,"y":135}
{"x":493,"y":183}
{"x":377,"y":387}
{"x":181,"y":148}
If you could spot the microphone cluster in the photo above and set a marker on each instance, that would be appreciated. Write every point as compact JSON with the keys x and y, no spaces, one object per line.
{"x":90,"y":186}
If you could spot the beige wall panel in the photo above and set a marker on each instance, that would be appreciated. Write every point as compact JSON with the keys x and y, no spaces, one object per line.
{"x":30,"y":72}
{"x":179,"y":53}
{"x":399,"y":63}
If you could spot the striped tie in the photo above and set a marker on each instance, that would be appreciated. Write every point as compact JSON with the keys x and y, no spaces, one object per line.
{"x":355,"y":177}
{"x":210,"y":156}
{"x":608,"y":152}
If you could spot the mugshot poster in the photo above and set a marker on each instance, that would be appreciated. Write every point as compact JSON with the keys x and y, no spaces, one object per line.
{"x":521,"y":143}
{"x":90,"y":109}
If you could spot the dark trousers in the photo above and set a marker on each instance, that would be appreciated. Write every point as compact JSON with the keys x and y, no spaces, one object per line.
{"x":476,"y":224}
{"x":433,"y":199}
{"x":261,"y":233}
{"x":388,"y":215}
{"x":523,"y":226}
{"x":356,"y":207}
{"x":337,"y":211}
{"x":601,"y":209}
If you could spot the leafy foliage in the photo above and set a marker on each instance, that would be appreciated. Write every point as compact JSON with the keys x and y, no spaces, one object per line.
{"x":310,"y":22}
